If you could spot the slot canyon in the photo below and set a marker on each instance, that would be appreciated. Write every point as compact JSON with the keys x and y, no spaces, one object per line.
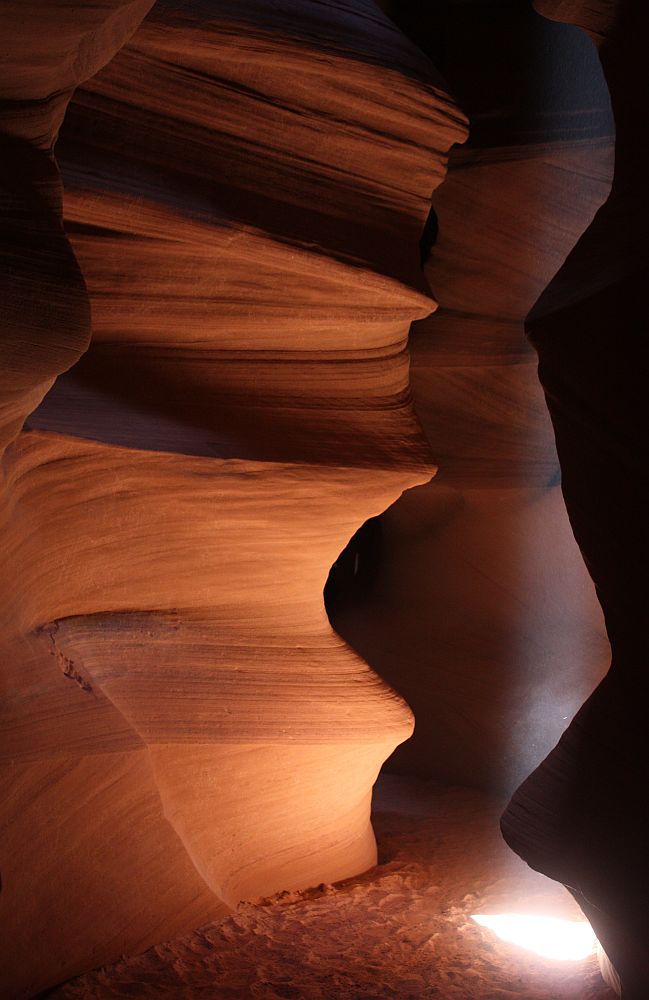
{"x":324,"y":545}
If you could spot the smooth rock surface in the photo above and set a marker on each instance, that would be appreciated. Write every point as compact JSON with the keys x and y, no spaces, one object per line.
{"x":245,"y":186}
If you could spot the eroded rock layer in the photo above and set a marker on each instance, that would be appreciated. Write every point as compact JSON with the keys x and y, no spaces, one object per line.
{"x":245,"y":188}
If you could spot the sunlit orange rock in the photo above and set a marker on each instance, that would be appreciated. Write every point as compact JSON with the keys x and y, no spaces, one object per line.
{"x":245,"y":186}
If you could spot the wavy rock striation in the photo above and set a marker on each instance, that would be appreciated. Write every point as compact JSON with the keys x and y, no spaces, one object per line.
{"x":245,"y":186}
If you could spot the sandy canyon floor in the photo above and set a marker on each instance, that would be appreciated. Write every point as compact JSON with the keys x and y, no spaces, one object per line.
{"x":403,"y":930}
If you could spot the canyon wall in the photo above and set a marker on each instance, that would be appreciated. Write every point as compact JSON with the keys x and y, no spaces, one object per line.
{"x":482,"y":613}
{"x":582,"y":815}
{"x":245,"y":187}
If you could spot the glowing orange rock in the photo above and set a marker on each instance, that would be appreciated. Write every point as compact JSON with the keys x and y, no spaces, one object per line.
{"x":245,"y":189}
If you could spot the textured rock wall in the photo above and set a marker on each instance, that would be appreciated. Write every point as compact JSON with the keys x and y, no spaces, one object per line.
{"x":245,"y":185}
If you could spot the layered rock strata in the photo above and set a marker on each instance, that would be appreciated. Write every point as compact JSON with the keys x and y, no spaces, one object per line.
{"x":245,"y":188}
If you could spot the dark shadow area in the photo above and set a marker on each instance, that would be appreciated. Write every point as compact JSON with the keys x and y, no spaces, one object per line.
{"x":356,"y":569}
{"x":357,"y":32}
{"x":519,"y":77}
{"x":261,"y":408}
{"x":429,"y":236}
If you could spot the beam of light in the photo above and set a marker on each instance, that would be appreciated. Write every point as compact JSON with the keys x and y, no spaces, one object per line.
{"x":550,"y":937}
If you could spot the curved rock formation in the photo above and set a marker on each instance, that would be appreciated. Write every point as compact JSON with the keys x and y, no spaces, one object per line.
{"x":245,"y":184}
{"x":582,"y":817}
{"x":45,"y":306}
{"x":483,"y":615}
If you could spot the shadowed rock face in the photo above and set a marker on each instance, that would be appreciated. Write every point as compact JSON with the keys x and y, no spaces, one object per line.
{"x":483,"y":615}
{"x":582,"y":815}
{"x":245,"y":187}
{"x":45,"y":306}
